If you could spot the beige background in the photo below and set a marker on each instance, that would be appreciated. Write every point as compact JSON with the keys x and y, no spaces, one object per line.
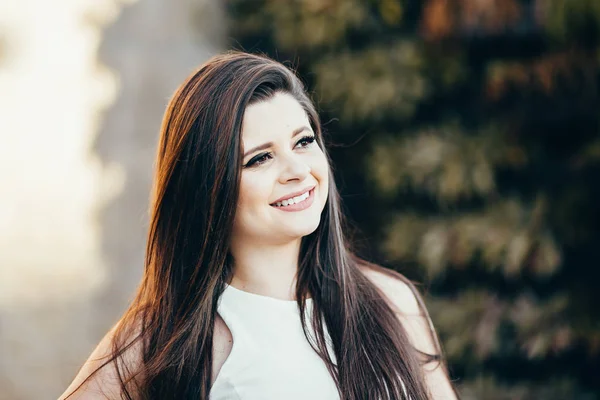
{"x":83,"y":85}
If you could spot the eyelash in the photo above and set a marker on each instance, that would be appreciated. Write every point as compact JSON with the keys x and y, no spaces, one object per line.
{"x":257,"y":160}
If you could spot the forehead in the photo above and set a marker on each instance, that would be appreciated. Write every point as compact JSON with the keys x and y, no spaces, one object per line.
{"x":265,"y":120}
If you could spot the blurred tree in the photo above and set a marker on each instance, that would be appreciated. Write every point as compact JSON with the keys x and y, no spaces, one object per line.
{"x":473,"y":126}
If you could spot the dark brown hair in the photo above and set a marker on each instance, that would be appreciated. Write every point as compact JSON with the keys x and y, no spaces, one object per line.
{"x":188,"y":262}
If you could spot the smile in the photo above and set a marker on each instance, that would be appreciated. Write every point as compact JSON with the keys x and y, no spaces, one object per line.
{"x":296,"y":203}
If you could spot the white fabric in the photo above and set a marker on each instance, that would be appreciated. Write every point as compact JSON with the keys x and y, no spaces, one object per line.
{"x":271,"y":358}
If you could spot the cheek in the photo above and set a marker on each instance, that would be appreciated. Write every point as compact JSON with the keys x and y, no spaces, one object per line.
{"x":320,"y":171}
{"x":254,"y":192}
{"x":320,"y":167}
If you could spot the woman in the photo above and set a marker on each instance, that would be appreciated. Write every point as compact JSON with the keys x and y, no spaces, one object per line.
{"x":250,"y":290}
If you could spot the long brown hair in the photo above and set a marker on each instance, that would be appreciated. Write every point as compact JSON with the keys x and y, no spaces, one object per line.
{"x":188,"y":262}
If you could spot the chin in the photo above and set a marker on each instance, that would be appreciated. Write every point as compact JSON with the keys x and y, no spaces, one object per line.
{"x":298,"y":224}
{"x":302,"y":229}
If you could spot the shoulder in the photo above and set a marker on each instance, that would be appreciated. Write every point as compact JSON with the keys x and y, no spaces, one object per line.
{"x":400,"y":293}
{"x":406,"y":302}
{"x":222,"y":344}
{"x":98,"y":377}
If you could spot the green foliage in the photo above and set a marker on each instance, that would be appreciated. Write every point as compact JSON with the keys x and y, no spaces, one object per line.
{"x":375,"y":83}
{"x":469,"y":150}
{"x":314,"y":23}
{"x":507,"y":237}
{"x":568,"y":20}
{"x":442,"y":162}
{"x":488,"y":388}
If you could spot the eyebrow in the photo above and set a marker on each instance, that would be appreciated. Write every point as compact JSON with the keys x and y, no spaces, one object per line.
{"x":269,"y":144}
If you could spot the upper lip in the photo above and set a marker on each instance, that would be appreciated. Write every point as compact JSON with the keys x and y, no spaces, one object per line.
{"x":289,"y":196}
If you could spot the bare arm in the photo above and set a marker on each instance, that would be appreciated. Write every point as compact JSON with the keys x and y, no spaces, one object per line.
{"x":105,"y":383}
{"x":418,"y":326}
{"x":222,"y":345}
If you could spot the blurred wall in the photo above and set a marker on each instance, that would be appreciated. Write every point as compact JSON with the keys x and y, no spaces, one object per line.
{"x":83,"y":86}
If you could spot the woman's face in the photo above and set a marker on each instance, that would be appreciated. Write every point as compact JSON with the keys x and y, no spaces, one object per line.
{"x":284,"y":180}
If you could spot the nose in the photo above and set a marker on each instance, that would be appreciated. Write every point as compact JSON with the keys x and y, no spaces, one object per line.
{"x":294,"y":169}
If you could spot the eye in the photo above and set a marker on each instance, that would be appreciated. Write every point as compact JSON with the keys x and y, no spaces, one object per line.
{"x":306,"y":141}
{"x":258,"y":160}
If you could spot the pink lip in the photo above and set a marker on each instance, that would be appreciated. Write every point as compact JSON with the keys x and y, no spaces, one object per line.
{"x":300,"y":206}
{"x":289,"y":196}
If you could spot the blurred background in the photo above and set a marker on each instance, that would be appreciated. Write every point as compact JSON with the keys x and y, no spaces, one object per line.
{"x":465,"y":137}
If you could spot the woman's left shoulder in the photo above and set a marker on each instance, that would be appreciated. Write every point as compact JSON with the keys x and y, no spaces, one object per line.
{"x":406,"y":302}
{"x":404,"y":299}
{"x":400,"y":292}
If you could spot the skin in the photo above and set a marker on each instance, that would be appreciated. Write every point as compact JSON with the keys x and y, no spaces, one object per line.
{"x":266,"y":240}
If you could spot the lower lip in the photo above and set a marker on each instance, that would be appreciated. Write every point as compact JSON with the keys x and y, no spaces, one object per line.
{"x":300,"y":206}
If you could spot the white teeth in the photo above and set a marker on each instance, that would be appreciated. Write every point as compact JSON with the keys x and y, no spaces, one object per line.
{"x":293,"y":200}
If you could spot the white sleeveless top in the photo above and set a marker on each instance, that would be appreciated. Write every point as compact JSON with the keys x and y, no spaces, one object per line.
{"x":271,"y":358}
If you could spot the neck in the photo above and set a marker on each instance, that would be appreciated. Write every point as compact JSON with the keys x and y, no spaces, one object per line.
{"x":268,"y":270}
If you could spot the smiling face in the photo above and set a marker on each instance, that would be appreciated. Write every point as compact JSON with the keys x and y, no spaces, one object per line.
{"x":284,"y":180}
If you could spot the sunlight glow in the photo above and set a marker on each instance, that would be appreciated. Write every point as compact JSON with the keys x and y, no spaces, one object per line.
{"x":52,"y":94}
